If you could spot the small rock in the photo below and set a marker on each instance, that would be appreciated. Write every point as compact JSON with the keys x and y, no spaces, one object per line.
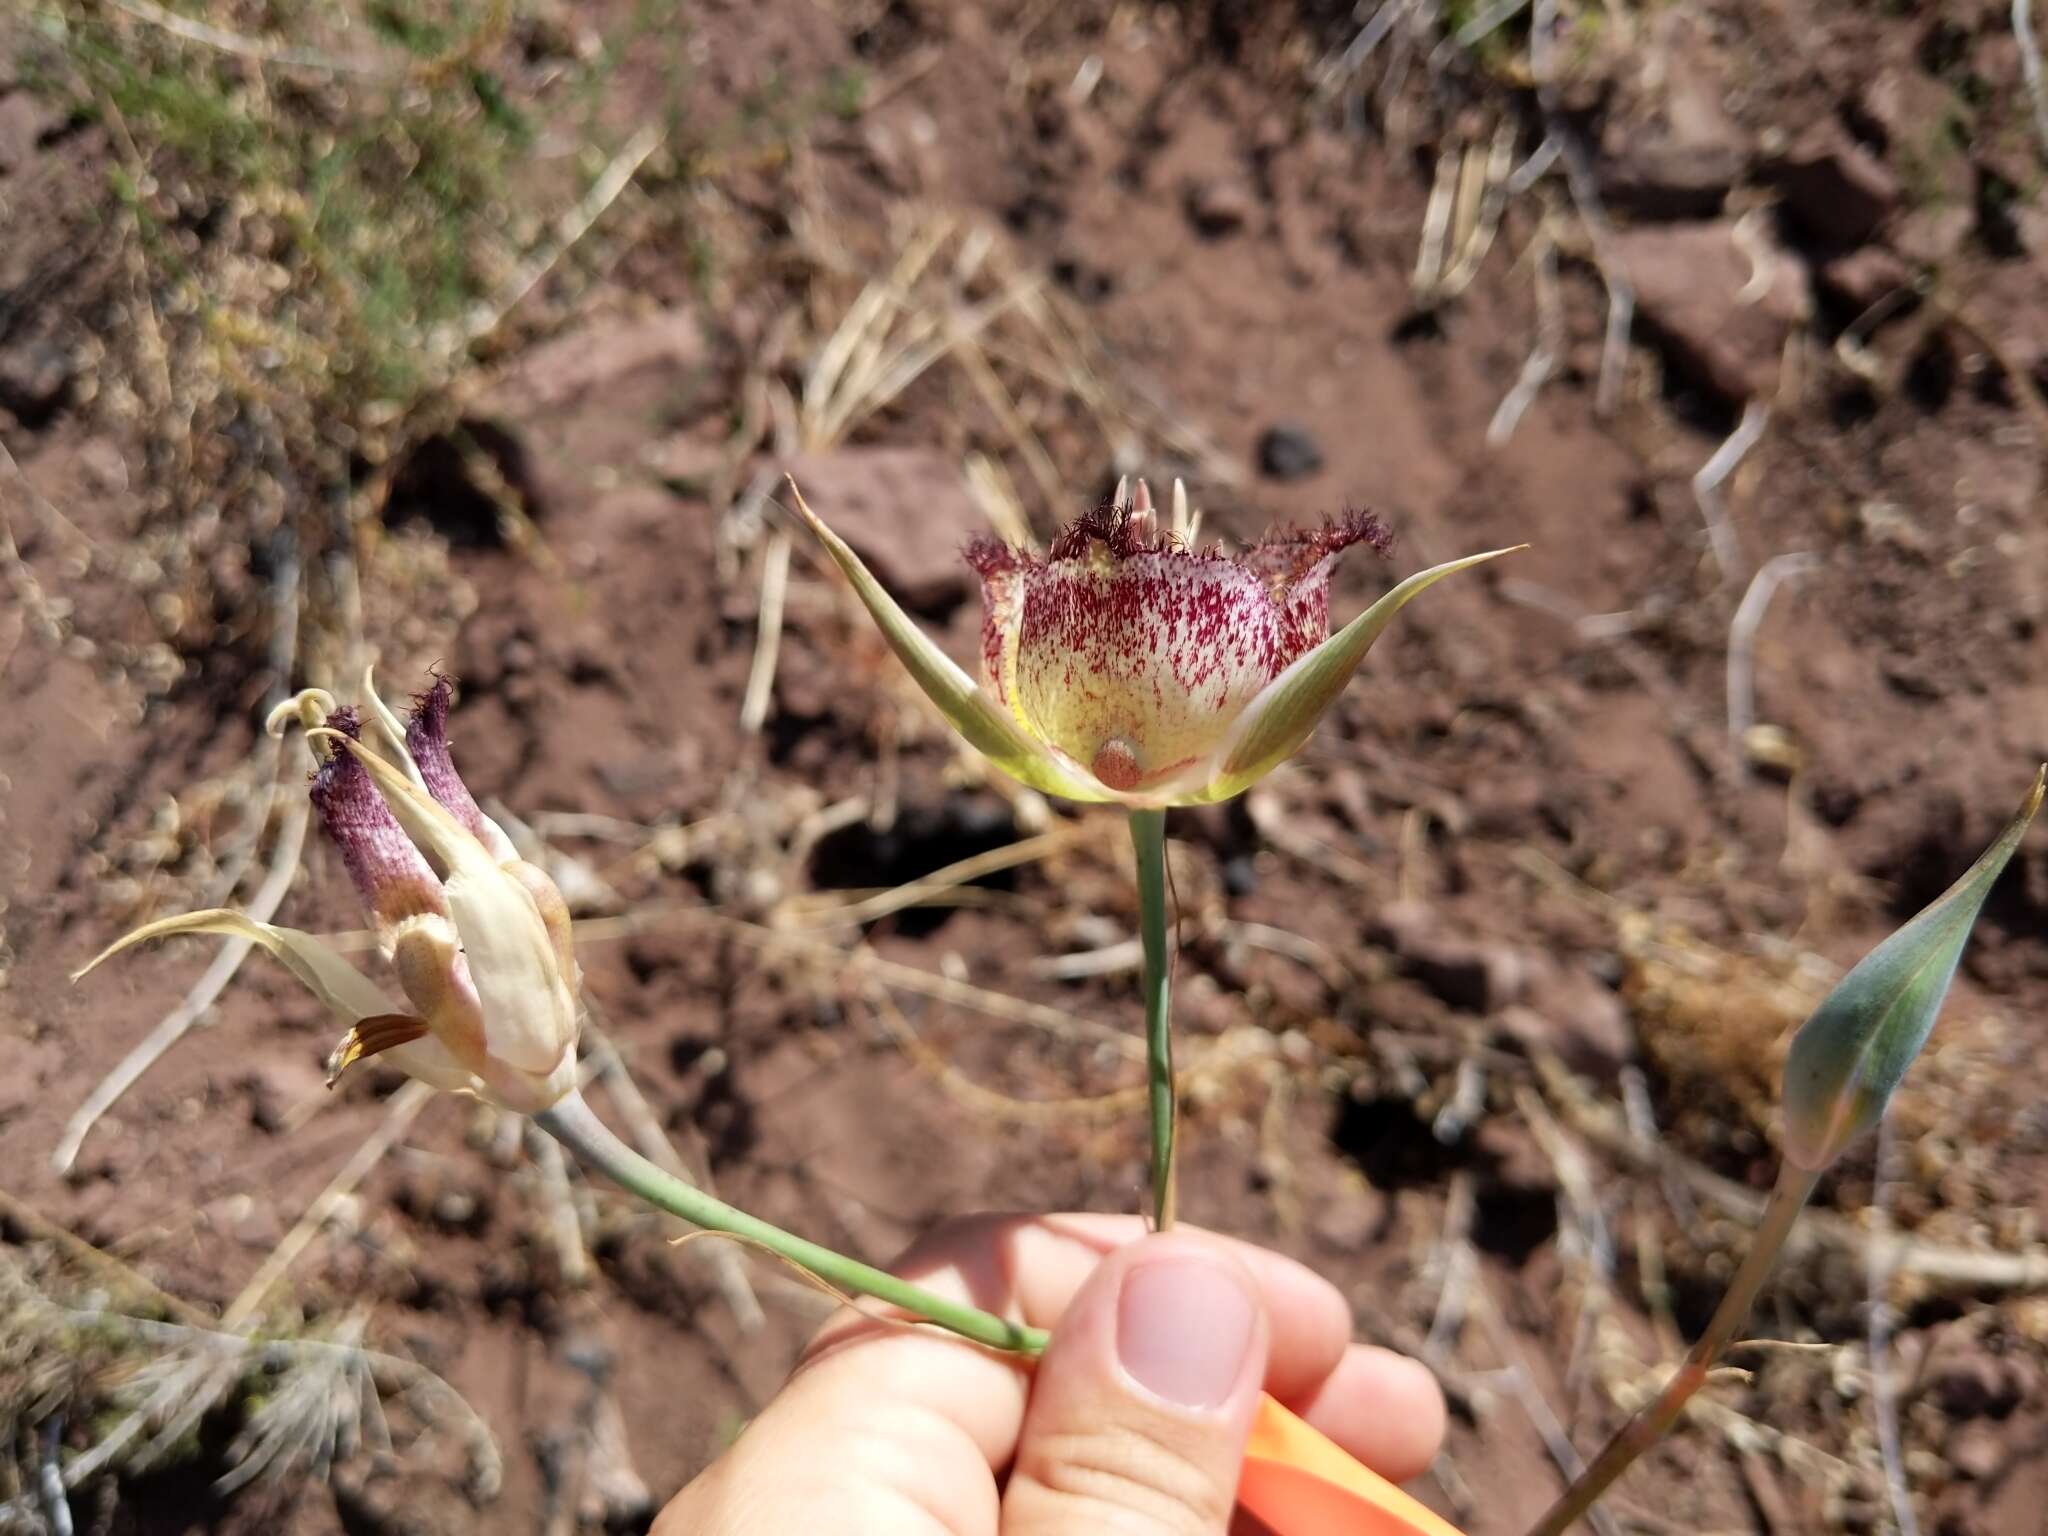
{"x":906,"y":511}
{"x":1693,"y":290}
{"x":35,"y":379}
{"x":25,"y":120}
{"x":1859,"y":279}
{"x":1976,"y":1450}
{"x":579,"y":363}
{"x":1900,"y":107}
{"x":2030,"y":230}
{"x":1476,"y":975}
{"x":1575,"y":1015}
{"x":1349,"y":1223}
{"x":1931,"y":236}
{"x":1971,"y":1382}
{"x":1678,"y":156}
{"x":1219,"y":206}
{"x":687,"y":464}
{"x":1835,"y":188}
{"x":279,"y":1087}
{"x":104,"y":467}
{"x":1287,"y":451}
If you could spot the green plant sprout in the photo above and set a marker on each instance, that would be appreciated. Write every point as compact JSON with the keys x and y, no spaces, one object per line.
{"x":1841,"y":1071}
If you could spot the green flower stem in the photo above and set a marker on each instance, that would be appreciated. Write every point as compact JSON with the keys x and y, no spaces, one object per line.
{"x":1148,"y":840}
{"x":1651,"y":1421}
{"x":576,"y":1126}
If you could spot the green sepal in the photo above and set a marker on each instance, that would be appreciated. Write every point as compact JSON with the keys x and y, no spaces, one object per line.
{"x":1277,"y":722}
{"x":344,"y":991}
{"x":966,"y":707}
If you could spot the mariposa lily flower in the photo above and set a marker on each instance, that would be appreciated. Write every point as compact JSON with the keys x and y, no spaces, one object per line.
{"x":1124,"y":666}
{"x":480,"y":949}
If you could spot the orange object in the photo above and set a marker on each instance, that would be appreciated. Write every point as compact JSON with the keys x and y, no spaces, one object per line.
{"x":1298,"y":1482}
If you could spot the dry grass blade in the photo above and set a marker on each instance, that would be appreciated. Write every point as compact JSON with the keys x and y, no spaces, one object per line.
{"x":906,"y":978}
{"x":399,"y":1113}
{"x":172,"y":1028}
{"x":1234,"y":1051}
{"x":565,"y":1228}
{"x":1884,"y":1397}
{"x":617,"y":175}
{"x":1749,"y":616}
{"x":1584,"y":186}
{"x":655,"y":1146}
{"x":1706,"y":486}
{"x":1937,"y":1266}
{"x":2030,"y":68}
{"x":320,"y":1396}
{"x":812,"y":912}
{"x":1542,"y":1417}
{"x":221,"y":39}
{"x":1548,"y":347}
{"x":767,"y":633}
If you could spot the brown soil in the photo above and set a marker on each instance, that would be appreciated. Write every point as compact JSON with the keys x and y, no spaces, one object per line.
{"x":1525,"y":836}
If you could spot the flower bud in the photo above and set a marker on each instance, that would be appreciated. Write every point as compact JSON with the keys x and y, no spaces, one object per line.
{"x":477,"y":937}
{"x":1848,"y":1058}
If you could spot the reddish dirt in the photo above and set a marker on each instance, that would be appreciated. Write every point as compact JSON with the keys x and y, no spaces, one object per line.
{"x":1248,"y":263}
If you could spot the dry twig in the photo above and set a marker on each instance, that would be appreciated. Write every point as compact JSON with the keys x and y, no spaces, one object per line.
{"x":1749,"y":616}
{"x":399,"y":1114}
{"x":172,"y":1027}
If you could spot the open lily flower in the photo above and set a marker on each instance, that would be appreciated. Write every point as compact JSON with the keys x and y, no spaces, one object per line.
{"x":1126,"y":667}
{"x":480,"y":949}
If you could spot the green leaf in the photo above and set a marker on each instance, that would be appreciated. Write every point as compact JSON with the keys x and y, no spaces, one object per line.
{"x":966,"y":708}
{"x":1848,"y":1058}
{"x":1277,"y":722}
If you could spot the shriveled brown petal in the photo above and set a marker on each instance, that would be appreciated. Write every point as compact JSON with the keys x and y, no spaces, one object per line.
{"x":372,"y":1037}
{"x":405,"y":1043}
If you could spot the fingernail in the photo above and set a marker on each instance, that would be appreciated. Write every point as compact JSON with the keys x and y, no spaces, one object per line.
{"x":1183,"y":1327}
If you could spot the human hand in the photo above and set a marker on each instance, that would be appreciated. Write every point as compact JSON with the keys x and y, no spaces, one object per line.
{"x":1135,"y":1421}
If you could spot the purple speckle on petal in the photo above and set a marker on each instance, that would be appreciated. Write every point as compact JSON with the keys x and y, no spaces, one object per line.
{"x":426,"y":738}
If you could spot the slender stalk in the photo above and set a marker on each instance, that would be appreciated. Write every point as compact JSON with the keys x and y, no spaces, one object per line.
{"x":576,"y":1126}
{"x":1651,"y":1421}
{"x":1148,"y":841}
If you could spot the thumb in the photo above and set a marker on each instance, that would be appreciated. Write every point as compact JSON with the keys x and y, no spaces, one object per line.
{"x":1143,"y":1403}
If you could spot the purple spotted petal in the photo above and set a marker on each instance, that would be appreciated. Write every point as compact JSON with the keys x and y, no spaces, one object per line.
{"x":1133,"y":655}
{"x":1296,"y":566}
